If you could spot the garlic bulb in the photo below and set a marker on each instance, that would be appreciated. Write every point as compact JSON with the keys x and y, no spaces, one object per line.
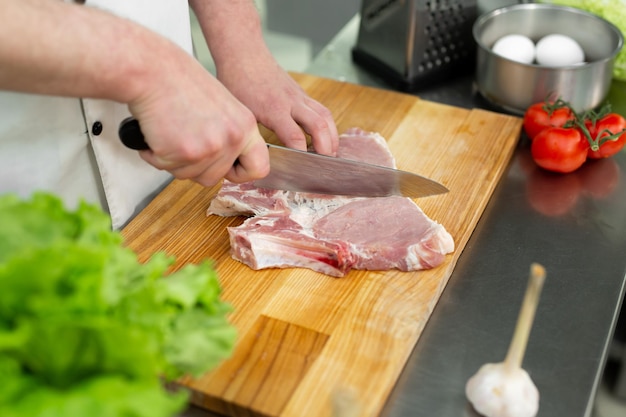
{"x":505,"y":389}
{"x":497,"y":392}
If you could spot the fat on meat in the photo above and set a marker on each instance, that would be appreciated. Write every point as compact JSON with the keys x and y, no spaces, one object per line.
{"x":332,"y":234}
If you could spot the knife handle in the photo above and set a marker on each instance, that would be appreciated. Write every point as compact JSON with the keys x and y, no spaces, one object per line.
{"x":130,"y":134}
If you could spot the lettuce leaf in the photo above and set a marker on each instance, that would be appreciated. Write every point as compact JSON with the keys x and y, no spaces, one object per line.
{"x":85,"y":329}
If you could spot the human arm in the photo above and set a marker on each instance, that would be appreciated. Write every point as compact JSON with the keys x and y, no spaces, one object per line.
{"x":195,"y":128}
{"x":246,"y":67}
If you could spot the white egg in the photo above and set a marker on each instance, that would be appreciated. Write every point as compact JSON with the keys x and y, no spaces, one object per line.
{"x":517,"y":48}
{"x":559,"y":51}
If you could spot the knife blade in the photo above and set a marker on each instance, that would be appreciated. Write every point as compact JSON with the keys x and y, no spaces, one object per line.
{"x":295,"y":170}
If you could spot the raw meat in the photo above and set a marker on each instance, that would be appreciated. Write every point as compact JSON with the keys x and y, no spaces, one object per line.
{"x":332,"y":234}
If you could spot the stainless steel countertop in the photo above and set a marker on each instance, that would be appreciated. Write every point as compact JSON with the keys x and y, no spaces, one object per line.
{"x":584,"y":252}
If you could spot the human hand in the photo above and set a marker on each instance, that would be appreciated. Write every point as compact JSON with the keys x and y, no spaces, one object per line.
{"x":280,"y":104}
{"x":246,"y":67}
{"x":196,"y":129}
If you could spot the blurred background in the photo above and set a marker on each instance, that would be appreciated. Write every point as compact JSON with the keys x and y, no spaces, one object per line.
{"x":295,"y":31}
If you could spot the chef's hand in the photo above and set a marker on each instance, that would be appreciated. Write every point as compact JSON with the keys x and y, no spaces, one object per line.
{"x":280,"y":104}
{"x":233,"y":32}
{"x":196,"y":129}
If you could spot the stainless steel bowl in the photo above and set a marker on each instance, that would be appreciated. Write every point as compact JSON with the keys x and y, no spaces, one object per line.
{"x":514,"y":86}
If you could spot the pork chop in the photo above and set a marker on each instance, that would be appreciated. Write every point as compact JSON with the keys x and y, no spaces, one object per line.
{"x":332,"y":234}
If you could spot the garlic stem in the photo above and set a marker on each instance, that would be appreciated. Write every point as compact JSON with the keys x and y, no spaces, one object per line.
{"x":515,"y":355}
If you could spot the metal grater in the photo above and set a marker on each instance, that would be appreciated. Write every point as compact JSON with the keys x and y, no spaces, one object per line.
{"x":413,"y":42}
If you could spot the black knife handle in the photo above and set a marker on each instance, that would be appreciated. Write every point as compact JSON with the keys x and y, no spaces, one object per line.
{"x":130,"y":134}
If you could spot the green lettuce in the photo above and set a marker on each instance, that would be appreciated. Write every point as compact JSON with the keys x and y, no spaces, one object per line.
{"x":86,"y":329}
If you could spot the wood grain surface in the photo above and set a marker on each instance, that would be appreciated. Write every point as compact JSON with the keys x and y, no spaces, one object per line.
{"x":310,"y":344}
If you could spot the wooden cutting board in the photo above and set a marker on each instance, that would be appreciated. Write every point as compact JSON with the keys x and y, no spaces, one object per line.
{"x":310,"y":344}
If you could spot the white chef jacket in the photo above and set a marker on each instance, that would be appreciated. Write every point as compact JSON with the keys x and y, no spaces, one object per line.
{"x":71,"y":146}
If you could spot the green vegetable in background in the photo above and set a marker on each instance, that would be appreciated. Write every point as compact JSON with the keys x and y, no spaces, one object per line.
{"x":87,"y":330}
{"x":612,"y":10}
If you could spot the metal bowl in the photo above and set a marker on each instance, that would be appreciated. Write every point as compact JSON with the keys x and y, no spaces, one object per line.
{"x":514,"y":86}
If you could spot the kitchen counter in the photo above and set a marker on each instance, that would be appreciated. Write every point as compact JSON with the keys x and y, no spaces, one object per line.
{"x":573,"y":225}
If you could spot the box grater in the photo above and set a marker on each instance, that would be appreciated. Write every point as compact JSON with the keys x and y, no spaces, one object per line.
{"x":413,"y":42}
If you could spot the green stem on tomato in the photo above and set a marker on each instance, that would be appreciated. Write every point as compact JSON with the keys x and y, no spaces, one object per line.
{"x":609,"y":137}
{"x":579,"y":122}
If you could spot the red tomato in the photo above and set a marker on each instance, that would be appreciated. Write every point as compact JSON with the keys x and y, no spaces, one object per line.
{"x":539,"y":116}
{"x":613,"y":123}
{"x":559,"y":149}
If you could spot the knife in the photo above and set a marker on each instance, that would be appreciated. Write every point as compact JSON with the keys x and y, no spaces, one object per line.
{"x":308,"y":172}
